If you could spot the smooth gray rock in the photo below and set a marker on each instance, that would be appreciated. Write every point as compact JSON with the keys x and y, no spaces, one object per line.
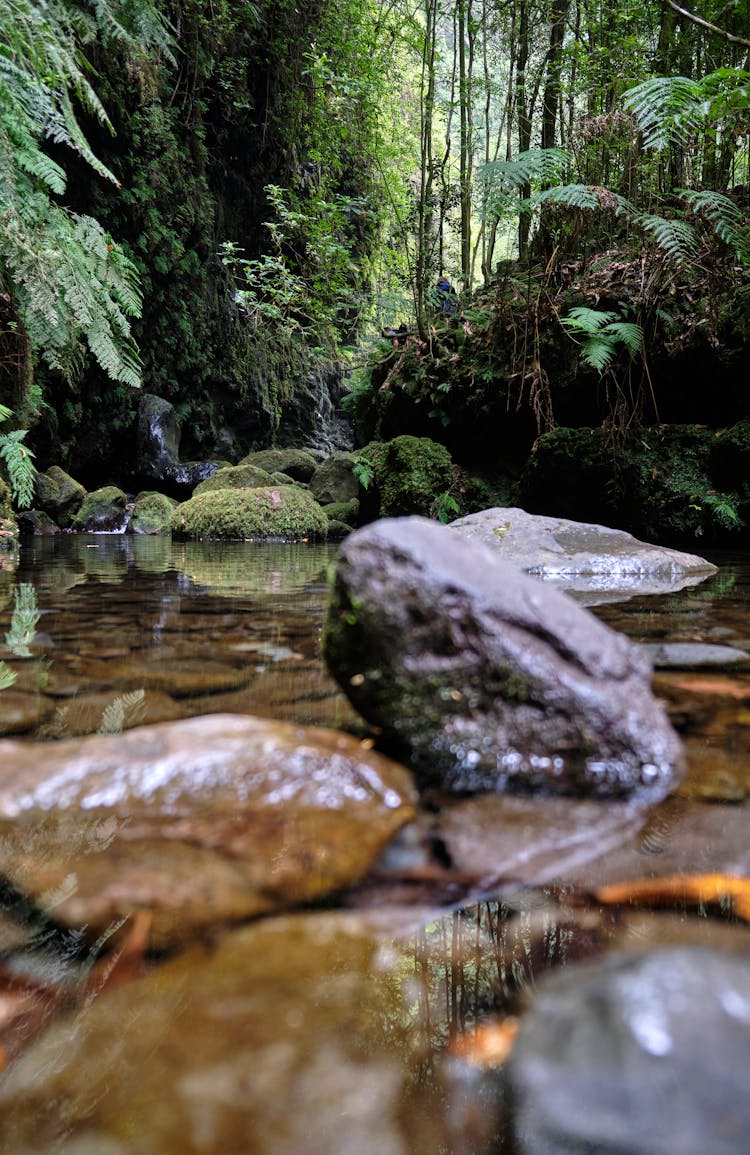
{"x":691,"y":655}
{"x":485,"y":678}
{"x":158,"y":446}
{"x":592,"y":562}
{"x":637,"y":1056}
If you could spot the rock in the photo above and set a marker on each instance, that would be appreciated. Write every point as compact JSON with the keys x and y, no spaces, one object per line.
{"x":486,"y":678}
{"x":592,"y":560}
{"x":152,"y":513}
{"x":59,"y":495}
{"x":637,"y":1056}
{"x":104,"y":510}
{"x":200,"y":822}
{"x":283,"y":512}
{"x":301,"y":1034}
{"x":235,"y":477}
{"x":296,"y":463}
{"x":693,"y":655}
{"x":36,"y":522}
{"x":334,"y":480}
{"x":346,"y":511}
{"x":158,"y":445}
{"x":408,"y":474}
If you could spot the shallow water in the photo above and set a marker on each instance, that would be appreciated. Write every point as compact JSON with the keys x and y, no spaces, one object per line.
{"x":103,"y":633}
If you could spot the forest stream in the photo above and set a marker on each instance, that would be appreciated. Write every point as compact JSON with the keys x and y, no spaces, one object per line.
{"x":378,"y":1017}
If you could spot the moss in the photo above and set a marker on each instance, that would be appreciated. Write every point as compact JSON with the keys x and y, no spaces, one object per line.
{"x":408,"y":474}
{"x":346,"y":511}
{"x":235,"y":477}
{"x":152,"y":513}
{"x":295,"y":463}
{"x":282,"y":511}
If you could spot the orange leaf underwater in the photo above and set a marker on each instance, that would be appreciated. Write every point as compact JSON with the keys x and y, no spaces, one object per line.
{"x":691,"y":888}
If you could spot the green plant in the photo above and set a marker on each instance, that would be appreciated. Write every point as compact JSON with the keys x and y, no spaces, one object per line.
{"x":603,"y":336}
{"x":24,"y":621}
{"x":446,"y":507}
{"x":363,"y":469}
{"x":18,"y":462}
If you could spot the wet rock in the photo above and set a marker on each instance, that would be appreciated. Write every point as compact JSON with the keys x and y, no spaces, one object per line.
{"x":275,"y":1043}
{"x":281,"y":512}
{"x":486,"y":678}
{"x":21,"y":712}
{"x":591,"y":561}
{"x":200,"y":822}
{"x":532,"y":840}
{"x":692,"y":655}
{"x":343,"y":511}
{"x":637,"y":1056}
{"x":334,"y":480}
{"x":104,"y":510}
{"x":158,"y":446}
{"x":59,"y":495}
{"x":296,"y":463}
{"x":36,"y":522}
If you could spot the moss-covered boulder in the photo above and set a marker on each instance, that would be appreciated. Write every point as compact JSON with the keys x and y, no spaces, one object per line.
{"x":59,"y":495}
{"x":152,"y":513}
{"x":103,"y":510}
{"x":334,"y":480}
{"x":295,"y":463}
{"x":275,"y":512}
{"x":235,"y":477}
{"x":37,"y":522}
{"x":405,"y":476}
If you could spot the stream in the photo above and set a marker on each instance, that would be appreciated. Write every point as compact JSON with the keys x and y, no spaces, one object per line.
{"x":377,"y":1019}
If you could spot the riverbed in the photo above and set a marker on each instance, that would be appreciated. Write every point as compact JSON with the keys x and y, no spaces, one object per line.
{"x":428,"y":962}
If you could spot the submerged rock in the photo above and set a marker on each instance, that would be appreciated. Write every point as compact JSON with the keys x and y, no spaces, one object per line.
{"x":637,"y":1056}
{"x":590,"y":560}
{"x":301,"y":1034}
{"x":486,"y":678}
{"x":200,"y":822}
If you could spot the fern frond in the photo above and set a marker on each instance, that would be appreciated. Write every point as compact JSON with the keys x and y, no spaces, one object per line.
{"x":667,"y":110}
{"x":628,"y":334}
{"x":598,"y":353}
{"x":587,"y":321}
{"x":725,"y":216}
{"x":124,"y":707}
{"x":19,"y":462}
{"x":503,"y":179}
{"x":678,"y":239}
{"x":7,"y":676}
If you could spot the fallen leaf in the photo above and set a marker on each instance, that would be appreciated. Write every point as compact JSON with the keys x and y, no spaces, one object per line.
{"x":722,"y":686}
{"x":696,"y":889}
{"x":488,"y":1045}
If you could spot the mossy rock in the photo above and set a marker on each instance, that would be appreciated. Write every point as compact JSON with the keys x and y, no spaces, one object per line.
{"x":59,"y":495}
{"x":102,"y":511}
{"x":275,"y":512}
{"x":334,"y":480}
{"x":346,"y":511}
{"x":294,"y":462}
{"x":235,"y":477}
{"x":408,"y":475}
{"x":6,"y":500}
{"x":152,"y":513}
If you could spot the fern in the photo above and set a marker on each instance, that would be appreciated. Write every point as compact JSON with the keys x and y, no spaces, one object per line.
{"x":678,"y":239}
{"x":667,"y":110}
{"x":123,"y":708}
{"x":23,"y":622}
{"x":603,"y":335}
{"x":503,"y":180}
{"x":724,"y":215}
{"x":7,"y":676}
{"x":19,"y":463}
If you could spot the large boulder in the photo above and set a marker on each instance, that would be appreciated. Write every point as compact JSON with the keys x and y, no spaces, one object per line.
{"x":201,"y":822}
{"x":593,"y":562}
{"x":408,"y":476}
{"x":296,"y":463}
{"x":485,"y":678}
{"x":637,"y":1056}
{"x":334,"y":480}
{"x":152,"y":513}
{"x":282,"y":512}
{"x":59,"y":495}
{"x":235,"y":477}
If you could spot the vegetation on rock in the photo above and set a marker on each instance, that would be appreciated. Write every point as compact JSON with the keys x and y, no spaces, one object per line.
{"x":284,"y":512}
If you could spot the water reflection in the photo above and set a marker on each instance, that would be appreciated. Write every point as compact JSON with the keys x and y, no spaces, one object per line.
{"x":144,"y":629}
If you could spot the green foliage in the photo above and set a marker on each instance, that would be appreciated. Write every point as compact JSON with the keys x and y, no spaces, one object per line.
{"x":603,"y":336}
{"x":725,"y":217}
{"x":18,"y":460}
{"x":502,"y":181}
{"x":363,"y":469}
{"x":68,"y":278}
{"x":667,"y":110}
